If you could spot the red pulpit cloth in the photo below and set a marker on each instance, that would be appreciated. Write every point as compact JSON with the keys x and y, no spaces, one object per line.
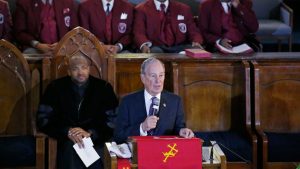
{"x":169,"y":153}
{"x":123,"y":163}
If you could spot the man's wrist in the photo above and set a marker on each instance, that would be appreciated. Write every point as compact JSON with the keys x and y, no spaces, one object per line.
{"x":142,"y":132}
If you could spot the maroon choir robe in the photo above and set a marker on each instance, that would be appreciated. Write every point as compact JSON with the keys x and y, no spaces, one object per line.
{"x":211,"y":20}
{"x":5,"y":21}
{"x":230,"y":29}
{"x":93,"y":18}
{"x":147,"y":24}
{"x":48,"y":24}
{"x":27,"y":22}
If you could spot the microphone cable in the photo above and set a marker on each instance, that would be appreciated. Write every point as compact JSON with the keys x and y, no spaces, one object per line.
{"x":236,"y":154}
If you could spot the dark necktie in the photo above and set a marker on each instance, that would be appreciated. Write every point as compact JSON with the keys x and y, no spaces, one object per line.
{"x":108,"y":24}
{"x":162,"y":10}
{"x":167,"y":35}
{"x":107,"y":9}
{"x":155,"y":101}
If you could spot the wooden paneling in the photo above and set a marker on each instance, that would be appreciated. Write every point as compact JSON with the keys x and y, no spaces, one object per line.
{"x":17,"y":88}
{"x":276,"y":97}
{"x":127,"y":77}
{"x":213,"y":94}
{"x":216,"y":97}
{"x":279,"y":91}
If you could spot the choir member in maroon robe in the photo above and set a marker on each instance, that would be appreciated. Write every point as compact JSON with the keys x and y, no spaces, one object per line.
{"x":110,"y":21}
{"x":165,"y":26}
{"x":229,"y":22}
{"x":40,"y":24}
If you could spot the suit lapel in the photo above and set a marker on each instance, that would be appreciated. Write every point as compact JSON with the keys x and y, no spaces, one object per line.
{"x":163,"y":112}
{"x":172,"y":14}
{"x":37,"y":8}
{"x":57,"y":9}
{"x":100,"y":17}
{"x":141,"y":106}
{"x":86,"y":100}
{"x":115,"y":18}
{"x":218,"y":15}
{"x":154,"y":17}
{"x":138,"y":107}
{"x":99,"y":9}
{"x":69,"y":99}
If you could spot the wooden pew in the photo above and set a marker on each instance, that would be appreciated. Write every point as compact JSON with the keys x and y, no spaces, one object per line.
{"x":18,"y":132}
{"x":276,"y":96}
{"x":216,"y":98}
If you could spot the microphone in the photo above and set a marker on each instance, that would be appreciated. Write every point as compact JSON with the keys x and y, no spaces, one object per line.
{"x":155,"y":106}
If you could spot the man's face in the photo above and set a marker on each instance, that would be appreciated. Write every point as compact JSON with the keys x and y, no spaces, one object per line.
{"x":79,"y":70}
{"x":154,"y":77}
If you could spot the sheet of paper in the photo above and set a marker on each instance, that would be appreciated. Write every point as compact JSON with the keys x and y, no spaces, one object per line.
{"x":121,"y":150}
{"x":88,"y":154}
{"x":243,"y":48}
{"x":206,"y":153}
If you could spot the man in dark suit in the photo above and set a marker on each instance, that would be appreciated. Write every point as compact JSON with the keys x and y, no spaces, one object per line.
{"x":110,"y":20}
{"x":5,"y":21}
{"x":40,"y":24}
{"x":165,"y":26}
{"x":74,"y":107}
{"x":136,"y":114}
{"x":228,"y":22}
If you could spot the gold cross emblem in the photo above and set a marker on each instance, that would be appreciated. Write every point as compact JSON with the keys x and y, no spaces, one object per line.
{"x":173,"y":151}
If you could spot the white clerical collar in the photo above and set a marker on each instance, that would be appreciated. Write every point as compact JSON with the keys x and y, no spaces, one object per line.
{"x":104,"y":4}
{"x":157,"y":4}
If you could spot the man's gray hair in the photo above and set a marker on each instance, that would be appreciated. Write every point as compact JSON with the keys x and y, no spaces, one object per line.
{"x":148,"y":62}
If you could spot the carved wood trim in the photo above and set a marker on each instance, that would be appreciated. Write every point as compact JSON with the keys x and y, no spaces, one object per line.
{"x":81,"y":41}
{"x":13,"y":60}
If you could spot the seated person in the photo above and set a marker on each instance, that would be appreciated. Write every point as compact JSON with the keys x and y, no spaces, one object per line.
{"x":151,"y":111}
{"x":165,"y":26}
{"x":40,"y":24}
{"x":110,"y":21}
{"x":228,"y":23}
{"x":5,"y":21}
{"x":74,"y":107}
